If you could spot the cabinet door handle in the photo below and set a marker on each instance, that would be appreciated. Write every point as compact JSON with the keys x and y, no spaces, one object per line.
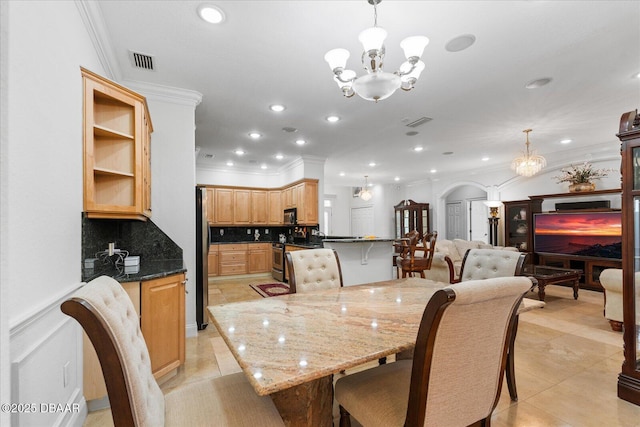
{"x":184,"y":283}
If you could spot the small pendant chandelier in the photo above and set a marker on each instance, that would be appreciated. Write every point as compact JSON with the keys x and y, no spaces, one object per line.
{"x":529,"y":163}
{"x":365,"y":194}
{"x":377,"y":84}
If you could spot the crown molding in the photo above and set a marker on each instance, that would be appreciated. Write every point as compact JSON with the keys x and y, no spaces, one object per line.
{"x":91,"y":16}
{"x":170,"y":94}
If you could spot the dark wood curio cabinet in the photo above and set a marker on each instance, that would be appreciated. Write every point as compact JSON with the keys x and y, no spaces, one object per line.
{"x":629,"y":378}
{"x":518,"y":223}
{"x":409,"y":216}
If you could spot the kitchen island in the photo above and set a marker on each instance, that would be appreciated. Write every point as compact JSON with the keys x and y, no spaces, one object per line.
{"x":363,"y":260}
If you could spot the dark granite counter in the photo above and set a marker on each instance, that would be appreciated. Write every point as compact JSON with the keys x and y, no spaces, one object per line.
{"x":147,"y":270}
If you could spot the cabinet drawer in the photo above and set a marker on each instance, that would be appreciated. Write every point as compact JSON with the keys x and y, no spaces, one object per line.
{"x":233,"y":257}
{"x":233,"y":247}
{"x":259,"y":246}
{"x":230,"y":269}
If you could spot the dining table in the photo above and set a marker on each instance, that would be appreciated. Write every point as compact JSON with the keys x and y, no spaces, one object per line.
{"x":290,"y":346}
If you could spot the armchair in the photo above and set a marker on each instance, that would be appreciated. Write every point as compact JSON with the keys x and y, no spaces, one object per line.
{"x":409,"y":260}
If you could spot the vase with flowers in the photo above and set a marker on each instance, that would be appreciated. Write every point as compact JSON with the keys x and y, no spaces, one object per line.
{"x":581,"y":177}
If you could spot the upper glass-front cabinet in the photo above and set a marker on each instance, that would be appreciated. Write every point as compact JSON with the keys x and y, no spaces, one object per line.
{"x":409,"y":216}
{"x":629,"y":378}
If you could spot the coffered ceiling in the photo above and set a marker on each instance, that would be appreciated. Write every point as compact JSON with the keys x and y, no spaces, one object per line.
{"x":271,"y":52}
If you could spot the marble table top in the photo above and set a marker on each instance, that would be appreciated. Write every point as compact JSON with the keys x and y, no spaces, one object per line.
{"x":285,"y":341}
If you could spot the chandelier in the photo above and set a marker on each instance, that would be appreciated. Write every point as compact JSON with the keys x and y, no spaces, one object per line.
{"x":364,"y":193}
{"x":529,"y":163}
{"x":377,"y":84}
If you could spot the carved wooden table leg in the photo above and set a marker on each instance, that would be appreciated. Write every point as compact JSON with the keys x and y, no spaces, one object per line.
{"x":308,"y":404}
{"x":576,"y":286}
{"x":541,"y":286}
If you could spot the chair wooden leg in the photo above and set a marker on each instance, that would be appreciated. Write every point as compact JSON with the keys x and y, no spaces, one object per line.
{"x":510,"y":368}
{"x":345,"y":418}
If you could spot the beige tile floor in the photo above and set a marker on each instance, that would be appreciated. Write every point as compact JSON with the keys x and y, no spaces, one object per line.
{"x":567,"y":361}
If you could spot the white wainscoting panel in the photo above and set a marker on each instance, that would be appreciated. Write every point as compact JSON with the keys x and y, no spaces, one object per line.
{"x":46,"y":370}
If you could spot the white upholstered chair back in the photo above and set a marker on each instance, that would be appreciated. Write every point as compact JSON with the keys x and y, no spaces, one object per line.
{"x":112,"y":306}
{"x":469,"y":351}
{"x":313,"y":270}
{"x":487,"y":263}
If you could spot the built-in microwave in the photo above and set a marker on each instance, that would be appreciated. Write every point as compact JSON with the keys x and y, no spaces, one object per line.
{"x":290,"y":216}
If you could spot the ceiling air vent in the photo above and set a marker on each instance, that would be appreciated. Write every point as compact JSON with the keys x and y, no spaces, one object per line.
{"x":420,"y":121}
{"x":142,"y":60}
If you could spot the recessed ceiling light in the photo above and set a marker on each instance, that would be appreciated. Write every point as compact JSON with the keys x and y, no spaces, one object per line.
{"x":418,"y":149}
{"x":484,"y":159}
{"x":229,"y":163}
{"x":210,"y":13}
{"x":433,"y":171}
{"x":636,"y":76}
{"x":263,"y":166}
{"x":397,"y":178}
{"x":239,"y":152}
{"x":289,"y":129}
{"x":565,"y":141}
{"x":447,"y":153}
{"x":412,"y":133}
{"x":341,"y":174}
{"x":535,"y":84}
{"x":460,"y":43}
{"x":372,"y":164}
{"x":300,"y":141}
{"x":279,"y":156}
{"x":277,"y":108}
{"x":255,"y":135}
{"x":333,"y":119}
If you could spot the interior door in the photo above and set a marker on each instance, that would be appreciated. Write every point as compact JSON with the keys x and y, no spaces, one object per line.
{"x":454,"y":221}
{"x":478,"y":221}
{"x":362,"y":221}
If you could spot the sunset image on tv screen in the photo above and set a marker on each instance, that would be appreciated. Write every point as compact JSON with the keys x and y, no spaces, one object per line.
{"x":595,"y":234}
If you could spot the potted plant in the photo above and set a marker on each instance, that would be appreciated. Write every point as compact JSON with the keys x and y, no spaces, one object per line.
{"x":581,"y":177}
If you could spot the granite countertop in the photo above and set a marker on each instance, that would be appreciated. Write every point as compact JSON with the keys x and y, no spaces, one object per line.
{"x":147,"y":270}
{"x":304,"y":245}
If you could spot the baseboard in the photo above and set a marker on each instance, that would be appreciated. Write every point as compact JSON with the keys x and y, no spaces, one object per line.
{"x":192,"y":330}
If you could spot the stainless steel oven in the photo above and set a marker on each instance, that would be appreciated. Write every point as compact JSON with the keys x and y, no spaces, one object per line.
{"x":277,"y":265}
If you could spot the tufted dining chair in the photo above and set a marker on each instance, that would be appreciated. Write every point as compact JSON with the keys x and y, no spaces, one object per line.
{"x":456,"y":374}
{"x":487,"y":263}
{"x":107,"y":315}
{"x":313,"y":270}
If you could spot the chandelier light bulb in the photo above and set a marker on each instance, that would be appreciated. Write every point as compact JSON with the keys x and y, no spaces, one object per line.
{"x":337,"y":58}
{"x":372,"y":38}
{"x":414,"y":46}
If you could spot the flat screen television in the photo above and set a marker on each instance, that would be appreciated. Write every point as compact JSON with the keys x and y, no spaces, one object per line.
{"x":587,"y":234}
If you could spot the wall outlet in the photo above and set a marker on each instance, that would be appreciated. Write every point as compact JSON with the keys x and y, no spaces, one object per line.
{"x":266,"y":231}
{"x":248,"y":231}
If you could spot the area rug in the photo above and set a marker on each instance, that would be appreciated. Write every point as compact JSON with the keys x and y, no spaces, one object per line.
{"x":271,"y":289}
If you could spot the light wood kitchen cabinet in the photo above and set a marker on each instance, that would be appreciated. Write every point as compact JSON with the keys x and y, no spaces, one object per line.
{"x":241,"y":207}
{"x":233,"y":259}
{"x":163,"y":322}
{"x":213,"y":260}
{"x":307,"y":202}
{"x":211,"y":197}
{"x":117,"y":150}
{"x":160,"y":305}
{"x":223,"y":206}
{"x":275,"y":207}
{"x":287,"y":198}
{"x":259,"y":257}
{"x":259,"y":207}
{"x":256,"y":206}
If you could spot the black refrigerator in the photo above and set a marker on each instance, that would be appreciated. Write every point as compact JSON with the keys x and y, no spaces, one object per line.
{"x":202,"y":255}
